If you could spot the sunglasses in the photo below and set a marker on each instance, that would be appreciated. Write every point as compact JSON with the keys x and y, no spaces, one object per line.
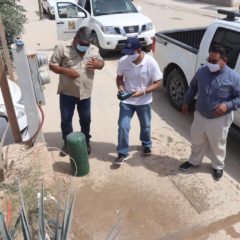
{"x":213,"y":61}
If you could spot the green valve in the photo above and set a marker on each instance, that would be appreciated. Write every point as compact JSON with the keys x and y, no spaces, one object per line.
{"x":77,"y":149}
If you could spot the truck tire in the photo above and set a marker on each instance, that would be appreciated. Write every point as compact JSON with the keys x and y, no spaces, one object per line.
{"x":95,"y":42}
{"x":176,"y":88}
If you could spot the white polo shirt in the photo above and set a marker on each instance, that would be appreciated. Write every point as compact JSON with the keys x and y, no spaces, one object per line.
{"x":139,"y":77}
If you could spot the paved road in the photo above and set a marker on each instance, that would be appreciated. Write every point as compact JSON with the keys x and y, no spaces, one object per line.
{"x":157,"y":202}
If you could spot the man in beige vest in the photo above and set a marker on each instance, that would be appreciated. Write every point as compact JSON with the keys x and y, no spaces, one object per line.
{"x":75,"y":63}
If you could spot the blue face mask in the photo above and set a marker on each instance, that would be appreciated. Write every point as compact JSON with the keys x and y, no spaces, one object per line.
{"x":81,"y":48}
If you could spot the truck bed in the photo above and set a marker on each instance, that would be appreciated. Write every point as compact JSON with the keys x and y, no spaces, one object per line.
{"x":189,"y":39}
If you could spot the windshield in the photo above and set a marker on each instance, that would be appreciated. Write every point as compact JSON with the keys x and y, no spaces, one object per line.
{"x":106,"y":7}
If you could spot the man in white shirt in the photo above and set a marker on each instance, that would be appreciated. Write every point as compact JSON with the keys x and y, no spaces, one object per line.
{"x":137,"y":74}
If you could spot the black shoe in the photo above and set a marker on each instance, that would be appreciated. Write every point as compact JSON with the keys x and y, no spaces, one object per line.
{"x":217,"y":174}
{"x":147,"y":151}
{"x":120,"y":159}
{"x":64,"y":151}
{"x":185,"y":166}
{"x":89,"y":149}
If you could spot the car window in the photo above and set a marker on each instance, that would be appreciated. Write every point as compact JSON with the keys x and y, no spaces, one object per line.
{"x":230,"y":40}
{"x":106,"y":7}
{"x":68,"y":10}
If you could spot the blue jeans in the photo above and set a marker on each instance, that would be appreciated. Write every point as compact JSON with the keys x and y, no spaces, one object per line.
{"x":67,"y":107}
{"x":125,"y":116}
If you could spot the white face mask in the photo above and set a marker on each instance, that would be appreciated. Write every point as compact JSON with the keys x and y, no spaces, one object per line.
{"x":133,"y":57}
{"x":213,"y":67}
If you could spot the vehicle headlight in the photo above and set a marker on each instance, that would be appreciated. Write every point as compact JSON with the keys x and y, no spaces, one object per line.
{"x":108,"y":30}
{"x":149,"y":26}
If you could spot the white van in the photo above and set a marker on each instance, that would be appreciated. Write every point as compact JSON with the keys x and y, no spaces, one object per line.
{"x":111,"y":21}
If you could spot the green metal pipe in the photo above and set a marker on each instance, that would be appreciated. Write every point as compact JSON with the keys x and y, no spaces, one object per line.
{"x":77,"y":149}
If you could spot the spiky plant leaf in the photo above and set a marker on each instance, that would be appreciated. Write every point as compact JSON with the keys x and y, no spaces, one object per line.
{"x":3,"y":229}
{"x":13,"y":232}
{"x":25,"y":226}
{"x":115,"y":229}
{"x":65,"y":214}
{"x":69,"y":219}
{"x":58,"y":229}
{"x":41,"y":215}
{"x":40,"y":236}
{"x":23,"y":217}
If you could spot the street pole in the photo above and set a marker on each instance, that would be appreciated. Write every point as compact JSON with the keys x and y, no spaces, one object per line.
{"x":40,"y":9}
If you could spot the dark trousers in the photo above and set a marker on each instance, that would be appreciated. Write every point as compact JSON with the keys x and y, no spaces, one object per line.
{"x":67,"y":107}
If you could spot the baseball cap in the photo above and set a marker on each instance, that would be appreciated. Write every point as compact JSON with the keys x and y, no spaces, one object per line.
{"x":131,"y":46}
{"x":84,"y":33}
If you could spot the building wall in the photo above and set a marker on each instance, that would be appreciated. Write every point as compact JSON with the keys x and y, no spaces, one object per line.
{"x":229,"y":3}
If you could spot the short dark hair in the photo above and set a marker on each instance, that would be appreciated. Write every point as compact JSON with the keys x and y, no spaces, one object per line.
{"x":85,"y":34}
{"x":219,"y":49}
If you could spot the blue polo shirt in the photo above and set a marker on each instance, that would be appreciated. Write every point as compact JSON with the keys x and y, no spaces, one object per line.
{"x":214,"y":89}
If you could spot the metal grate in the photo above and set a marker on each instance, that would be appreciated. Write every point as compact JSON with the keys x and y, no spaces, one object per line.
{"x":131,"y":29}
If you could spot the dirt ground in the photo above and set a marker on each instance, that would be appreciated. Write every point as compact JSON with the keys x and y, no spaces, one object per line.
{"x":148,"y":195}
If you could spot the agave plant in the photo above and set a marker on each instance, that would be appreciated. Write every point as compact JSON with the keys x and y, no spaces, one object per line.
{"x":62,"y":230}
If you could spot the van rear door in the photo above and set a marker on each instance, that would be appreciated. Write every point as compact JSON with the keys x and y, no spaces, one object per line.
{"x":69,"y":18}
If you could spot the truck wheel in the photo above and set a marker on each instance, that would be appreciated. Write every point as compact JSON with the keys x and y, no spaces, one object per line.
{"x":95,"y":42}
{"x":176,"y":88}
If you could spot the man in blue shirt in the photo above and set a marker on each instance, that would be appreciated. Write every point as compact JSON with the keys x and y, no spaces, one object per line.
{"x":218,"y":89}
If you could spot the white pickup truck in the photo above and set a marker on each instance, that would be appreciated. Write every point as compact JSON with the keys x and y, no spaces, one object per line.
{"x":48,"y":8}
{"x":180,"y":53}
{"x":111,"y":22}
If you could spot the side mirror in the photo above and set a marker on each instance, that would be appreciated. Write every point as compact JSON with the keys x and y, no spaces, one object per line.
{"x":139,"y":8}
{"x":81,"y":15}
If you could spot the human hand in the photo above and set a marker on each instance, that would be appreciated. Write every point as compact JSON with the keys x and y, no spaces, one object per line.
{"x":92,"y":64}
{"x":220,"y":110}
{"x":71,"y":73}
{"x":123,"y":95}
{"x":184,"y":109}
{"x":137,"y":94}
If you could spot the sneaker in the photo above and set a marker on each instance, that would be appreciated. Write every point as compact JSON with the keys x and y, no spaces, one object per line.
{"x":217,"y":174}
{"x":185,"y":166}
{"x":147,"y":151}
{"x":64,"y":151}
{"x":120,"y":159}
{"x":89,"y":149}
